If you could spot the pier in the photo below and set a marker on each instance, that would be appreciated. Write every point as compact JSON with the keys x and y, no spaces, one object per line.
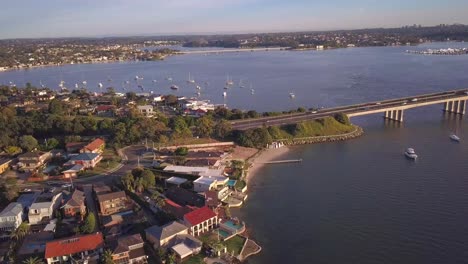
{"x":453,"y":102}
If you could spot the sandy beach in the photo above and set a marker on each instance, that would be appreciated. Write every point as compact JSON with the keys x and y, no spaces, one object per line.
{"x":263,"y":156}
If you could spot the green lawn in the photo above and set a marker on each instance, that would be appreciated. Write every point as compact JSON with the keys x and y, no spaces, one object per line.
{"x":235,"y":244}
{"x":197,"y":259}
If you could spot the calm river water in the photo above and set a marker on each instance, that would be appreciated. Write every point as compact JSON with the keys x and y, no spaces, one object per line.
{"x":358,"y":201}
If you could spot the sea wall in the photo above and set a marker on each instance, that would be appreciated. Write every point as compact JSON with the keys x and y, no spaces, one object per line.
{"x":357,"y":132}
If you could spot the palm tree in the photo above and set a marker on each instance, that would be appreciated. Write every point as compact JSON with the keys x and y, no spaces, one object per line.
{"x":107,"y":257}
{"x":171,"y":258}
{"x":20,"y":232}
{"x":33,"y":260}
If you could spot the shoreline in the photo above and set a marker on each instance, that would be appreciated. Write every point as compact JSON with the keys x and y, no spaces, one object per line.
{"x":263,"y":156}
{"x":257,"y":161}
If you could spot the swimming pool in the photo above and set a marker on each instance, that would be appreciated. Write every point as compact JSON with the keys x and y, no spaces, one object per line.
{"x":231,"y":183}
{"x":223,"y":233}
{"x":233,"y":226}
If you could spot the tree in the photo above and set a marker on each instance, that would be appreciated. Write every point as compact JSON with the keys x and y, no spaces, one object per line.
{"x":180,"y":127}
{"x":57,"y":107}
{"x":69,"y":139}
{"x":342,"y":118}
{"x":222,"y":129}
{"x":171,"y":99}
{"x":33,"y":260}
{"x":131,"y":96}
{"x":148,"y":178}
{"x":160,"y":202}
{"x":52,"y":143}
{"x":171,"y":258}
{"x":128,"y":181}
{"x":8,"y":190}
{"x":20,"y":232}
{"x":28,"y":142}
{"x":89,"y":224}
{"x":204,"y":126}
{"x":181,"y":151}
{"x":105,"y":125}
{"x":138,"y":185}
{"x":12,"y":150}
{"x":107,"y":257}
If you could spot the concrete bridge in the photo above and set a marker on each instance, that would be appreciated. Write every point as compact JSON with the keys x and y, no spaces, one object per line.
{"x":453,"y":102}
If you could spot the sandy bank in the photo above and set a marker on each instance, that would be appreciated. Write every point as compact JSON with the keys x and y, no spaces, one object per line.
{"x":257,"y":162}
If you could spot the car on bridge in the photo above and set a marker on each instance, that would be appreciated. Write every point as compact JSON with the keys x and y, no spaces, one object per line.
{"x":414,"y":100}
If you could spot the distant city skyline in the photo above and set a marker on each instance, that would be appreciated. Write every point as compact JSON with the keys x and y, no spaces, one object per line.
{"x":90,"y":18}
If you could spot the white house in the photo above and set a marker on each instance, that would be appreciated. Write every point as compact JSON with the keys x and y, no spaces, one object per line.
{"x":11,"y":217}
{"x":208,"y":183}
{"x":201,"y":220}
{"x":198,"y":171}
{"x":44,"y":206}
{"x":146,"y":110}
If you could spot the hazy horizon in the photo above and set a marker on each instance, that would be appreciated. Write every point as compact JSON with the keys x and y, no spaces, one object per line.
{"x":107,"y":18}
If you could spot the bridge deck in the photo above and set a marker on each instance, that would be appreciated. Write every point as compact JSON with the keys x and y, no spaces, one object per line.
{"x":355,"y":110}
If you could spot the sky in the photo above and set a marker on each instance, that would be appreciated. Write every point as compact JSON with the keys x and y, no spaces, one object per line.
{"x":95,"y":18}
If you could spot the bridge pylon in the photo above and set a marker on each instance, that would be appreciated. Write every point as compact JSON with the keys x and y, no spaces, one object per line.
{"x":395,"y":115}
{"x":455,"y":106}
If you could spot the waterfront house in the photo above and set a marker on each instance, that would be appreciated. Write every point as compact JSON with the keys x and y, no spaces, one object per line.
{"x":75,"y":205}
{"x":201,"y":220}
{"x":174,"y":236}
{"x":96,"y":146}
{"x":160,"y":236}
{"x":114,"y":202}
{"x":11,"y":217}
{"x":77,"y":249}
{"x":212,"y":200}
{"x":44,"y":207}
{"x":31,"y":161}
{"x":197,"y":171}
{"x":186,"y":246}
{"x":87,"y":160}
{"x":208,"y":183}
{"x":129,"y":250}
{"x":4,"y":164}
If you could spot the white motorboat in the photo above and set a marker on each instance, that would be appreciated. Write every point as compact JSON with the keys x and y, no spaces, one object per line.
{"x":411,"y":154}
{"x":454,"y":138}
{"x":292,"y":95}
{"x":174,"y":87}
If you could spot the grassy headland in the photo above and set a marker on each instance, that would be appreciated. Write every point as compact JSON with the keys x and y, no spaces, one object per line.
{"x":328,"y":126}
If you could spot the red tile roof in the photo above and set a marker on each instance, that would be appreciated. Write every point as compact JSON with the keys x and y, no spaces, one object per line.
{"x":199,"y":215}
{"x":73,"y":245}
{"x":95,"y":144}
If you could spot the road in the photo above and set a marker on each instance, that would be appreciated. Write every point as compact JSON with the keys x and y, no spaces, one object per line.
{"x":130,"y":162}
{"x":357,"y":109}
